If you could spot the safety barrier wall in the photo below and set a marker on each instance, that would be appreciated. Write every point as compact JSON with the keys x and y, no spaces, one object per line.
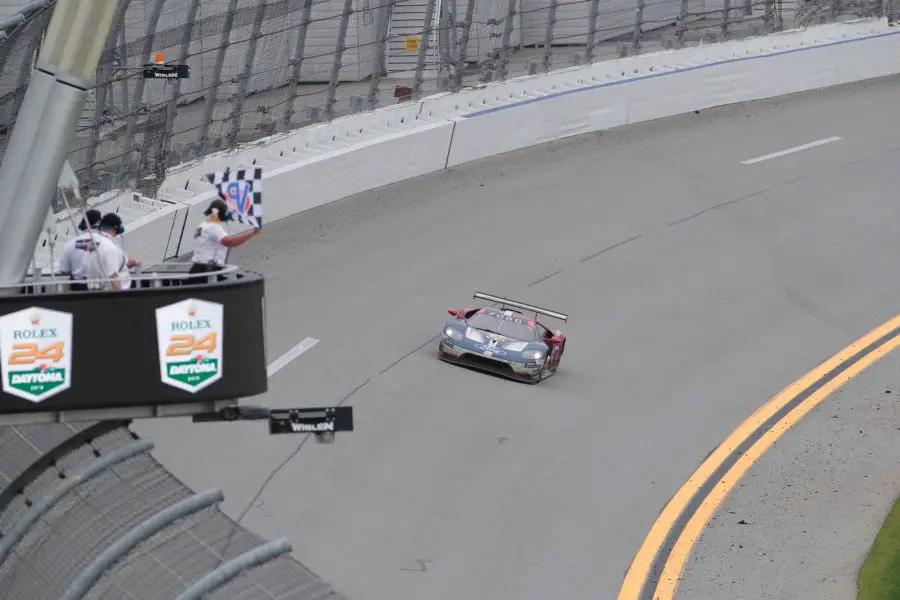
{"x":318,"y":165}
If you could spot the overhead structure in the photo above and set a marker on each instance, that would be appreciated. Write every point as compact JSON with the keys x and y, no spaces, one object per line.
{"x":46,"y":126}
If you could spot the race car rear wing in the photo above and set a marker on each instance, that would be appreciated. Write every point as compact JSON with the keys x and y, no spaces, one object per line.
{"x":504,"y":302}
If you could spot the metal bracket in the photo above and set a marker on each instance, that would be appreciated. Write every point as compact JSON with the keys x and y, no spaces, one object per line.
{"x":322,"y":422}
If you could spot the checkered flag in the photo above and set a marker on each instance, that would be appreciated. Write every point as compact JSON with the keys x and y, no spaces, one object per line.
{"x":242,"y":192}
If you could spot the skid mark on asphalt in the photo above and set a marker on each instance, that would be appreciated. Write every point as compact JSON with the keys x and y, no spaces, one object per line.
{"x":717,"y":206}
{"x":608,"y":248}
{"x":544,"y":278}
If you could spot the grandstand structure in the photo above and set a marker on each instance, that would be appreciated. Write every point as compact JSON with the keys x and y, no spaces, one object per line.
{"x":263,"y":67}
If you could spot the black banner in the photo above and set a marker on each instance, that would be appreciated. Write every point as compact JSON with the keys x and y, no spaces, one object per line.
{"x":152,"y":346}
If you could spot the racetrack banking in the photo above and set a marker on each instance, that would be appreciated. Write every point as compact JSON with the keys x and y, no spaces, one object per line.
{"x":658,"y":564}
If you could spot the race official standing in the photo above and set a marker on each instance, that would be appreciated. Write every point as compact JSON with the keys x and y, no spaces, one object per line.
{"x":108,"y":265}
{"x":71,"y":263}
{"x":211,"y":240}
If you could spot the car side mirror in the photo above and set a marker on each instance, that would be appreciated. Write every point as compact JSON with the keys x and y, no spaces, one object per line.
{"x":453,"y":312}
{"x":556,"y":340}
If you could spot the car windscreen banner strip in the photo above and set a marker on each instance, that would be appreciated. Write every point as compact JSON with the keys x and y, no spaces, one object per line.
{"x":523,"y":306}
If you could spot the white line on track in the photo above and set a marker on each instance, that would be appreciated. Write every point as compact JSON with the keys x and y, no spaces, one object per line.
{"x":292,"y":354}
{"x":790,"y":150}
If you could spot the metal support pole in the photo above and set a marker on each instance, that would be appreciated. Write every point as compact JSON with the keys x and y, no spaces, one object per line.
{"x":86,"y":580}
{"x":338,"y":57}
{"x":504,"y":40}
{"x":104,"y":88}
{"x":237,"y":113}
{"x":287,"y":117}
{"x":42,"y":506}
{"x":548,"y":37}
{"x":46,"y":127}
{"x":172,"y":108}
{"x":768,"y":16}
{"x":591,"y":42}
{"x":682,"y":24}
{"x":427,"y":30}
{"x":138,"y":95}
{"x":638,"y":26}
{"x":379,"y":61}
{"x":464,"y":46}
{"x":726,"y":15}
{"x":212,"y":96}
{"x":235,"y":567}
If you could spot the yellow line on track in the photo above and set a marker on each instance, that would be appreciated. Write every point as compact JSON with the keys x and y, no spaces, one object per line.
{"x":639,"y":570}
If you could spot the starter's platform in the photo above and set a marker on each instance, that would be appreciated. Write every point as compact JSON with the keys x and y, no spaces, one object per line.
{"x":165,"y":348}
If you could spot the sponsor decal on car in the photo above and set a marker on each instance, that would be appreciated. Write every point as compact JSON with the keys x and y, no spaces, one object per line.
{"x":491,"y":349}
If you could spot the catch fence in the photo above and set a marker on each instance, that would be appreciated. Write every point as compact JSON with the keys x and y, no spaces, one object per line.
{"x":263,"y":67}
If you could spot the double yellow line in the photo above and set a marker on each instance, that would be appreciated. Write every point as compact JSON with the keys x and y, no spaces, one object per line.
{"x":655,"y":572}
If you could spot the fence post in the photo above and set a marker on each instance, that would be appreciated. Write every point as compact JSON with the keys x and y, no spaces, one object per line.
{"x":138,"y":96}
{"x":183,"y":53}
{"x":338,"y":57}
{"x":380,"y":59}
{"x":463,"y":46}
{"x":213,"y":91}
{"x":726,"y":15}
{"x":427,"y":31}
{"x":504,"y":40}
{"x":591,"y":43}
{"x":548,"y":41}
{"x":287,"y":117}
{"x":237,"y":112}
{"x":682,"y":25}
{"x":638,"y":25}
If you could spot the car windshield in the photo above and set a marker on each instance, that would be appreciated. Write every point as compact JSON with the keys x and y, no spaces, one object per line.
{"x":509,"y":325}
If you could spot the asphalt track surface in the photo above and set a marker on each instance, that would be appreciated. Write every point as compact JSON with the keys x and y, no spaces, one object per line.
{"x":698,"y":287}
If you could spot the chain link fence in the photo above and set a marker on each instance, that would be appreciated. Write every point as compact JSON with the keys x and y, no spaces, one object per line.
{"x":259,"y":67}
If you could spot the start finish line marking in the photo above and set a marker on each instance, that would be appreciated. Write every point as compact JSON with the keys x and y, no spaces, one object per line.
{"x":291,"y":355}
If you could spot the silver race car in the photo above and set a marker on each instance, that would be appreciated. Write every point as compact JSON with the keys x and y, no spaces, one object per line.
{"x":503,"y":340}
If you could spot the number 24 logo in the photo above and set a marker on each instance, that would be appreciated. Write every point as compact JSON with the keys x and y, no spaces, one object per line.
{"x":185,"y":345}
{"x":27,"y":354}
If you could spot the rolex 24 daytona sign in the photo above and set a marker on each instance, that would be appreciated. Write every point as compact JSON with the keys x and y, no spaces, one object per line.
{"x":190,"y":344}
{"x":36,"y":350}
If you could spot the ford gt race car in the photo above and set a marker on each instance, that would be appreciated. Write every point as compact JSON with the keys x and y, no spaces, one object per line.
{"x":503,"y":341}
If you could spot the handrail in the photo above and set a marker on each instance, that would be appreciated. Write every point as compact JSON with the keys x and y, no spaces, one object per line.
{"x":62,"y":284}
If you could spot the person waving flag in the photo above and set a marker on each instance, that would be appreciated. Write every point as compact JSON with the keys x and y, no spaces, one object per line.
{"x":242,"y":191}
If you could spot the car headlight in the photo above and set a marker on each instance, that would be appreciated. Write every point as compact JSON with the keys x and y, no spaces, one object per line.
{"x":456,"y":334}
{"x":474,"y":335}
{"x":533,"y":354}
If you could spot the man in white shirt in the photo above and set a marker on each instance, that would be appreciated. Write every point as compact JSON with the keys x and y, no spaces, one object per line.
{"x":108,"y":264}
{"x":211,"y":240}
{"x":71,"y":263}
